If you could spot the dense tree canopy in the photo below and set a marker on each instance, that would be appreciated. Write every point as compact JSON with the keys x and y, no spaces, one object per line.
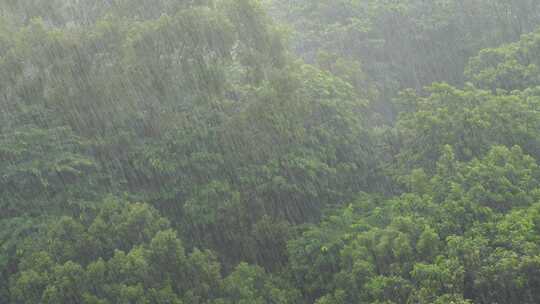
{"x":276,"y":151}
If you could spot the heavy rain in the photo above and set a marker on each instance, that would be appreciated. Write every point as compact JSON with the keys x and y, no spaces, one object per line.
{"x":269,"y":151}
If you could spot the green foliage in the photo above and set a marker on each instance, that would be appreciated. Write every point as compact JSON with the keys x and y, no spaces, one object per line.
{"x":432,"y":245}
{"x":148,"y":265}
{"x":403,"y":44}
{"x":246,"y":151}
{"x":469,"y":120}
{"x":509,"y":67}
{"x":250,"y":284}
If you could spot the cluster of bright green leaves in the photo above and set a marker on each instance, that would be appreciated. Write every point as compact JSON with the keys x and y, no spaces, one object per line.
{"x":127,"y":253}
{"x":450,"y":238}
{"x":509,"y":67}
{"x":469,"y":119}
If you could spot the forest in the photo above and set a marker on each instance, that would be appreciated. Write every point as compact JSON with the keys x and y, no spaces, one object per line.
{"x":269,"y":151}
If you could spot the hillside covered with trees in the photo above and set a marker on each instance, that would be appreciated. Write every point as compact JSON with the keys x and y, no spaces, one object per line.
{"x":270,"y":151}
